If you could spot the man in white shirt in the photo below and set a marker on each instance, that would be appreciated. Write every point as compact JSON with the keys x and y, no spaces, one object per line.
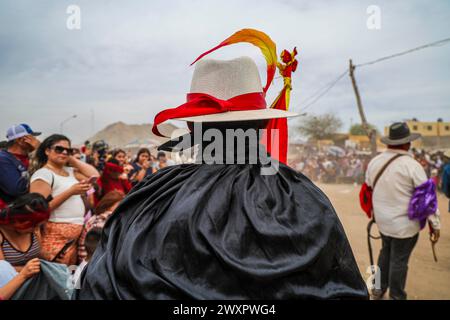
{"x":391,"y":197}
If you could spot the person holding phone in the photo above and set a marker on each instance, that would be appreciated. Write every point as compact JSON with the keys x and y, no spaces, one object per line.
{"x":142,"y":166}
{"x":66,"y":180}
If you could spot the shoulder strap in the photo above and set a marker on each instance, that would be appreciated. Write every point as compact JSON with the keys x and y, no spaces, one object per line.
{"x":384,"y":168}
{"x":53,"y":180}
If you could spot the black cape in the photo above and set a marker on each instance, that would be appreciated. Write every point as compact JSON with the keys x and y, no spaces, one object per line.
{"x":198,"y":231}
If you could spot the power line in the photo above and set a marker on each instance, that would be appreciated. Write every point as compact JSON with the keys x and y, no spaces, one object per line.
{"x":432,"y":44}
{"x":320,"y":93}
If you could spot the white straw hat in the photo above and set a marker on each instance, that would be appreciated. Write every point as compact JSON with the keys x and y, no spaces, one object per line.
{"x":224,"y":80}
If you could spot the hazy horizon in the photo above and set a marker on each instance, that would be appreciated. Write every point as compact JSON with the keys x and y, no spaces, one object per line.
{"x":130,"y":60}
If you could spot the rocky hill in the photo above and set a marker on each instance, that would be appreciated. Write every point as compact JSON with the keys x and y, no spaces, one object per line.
{"x":120,"y":134}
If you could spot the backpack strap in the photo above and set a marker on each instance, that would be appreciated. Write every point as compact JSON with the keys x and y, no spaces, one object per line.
{"x":377,"y":177}
{"x":372,"y":221}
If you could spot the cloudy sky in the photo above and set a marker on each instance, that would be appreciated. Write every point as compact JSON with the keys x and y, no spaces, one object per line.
{"x":130,"y":59}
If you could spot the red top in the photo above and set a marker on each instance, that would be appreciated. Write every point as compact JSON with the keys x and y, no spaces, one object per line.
{"x":110,"y":183}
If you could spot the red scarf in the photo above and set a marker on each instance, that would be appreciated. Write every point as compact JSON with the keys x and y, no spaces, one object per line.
{"x":23,"y":158}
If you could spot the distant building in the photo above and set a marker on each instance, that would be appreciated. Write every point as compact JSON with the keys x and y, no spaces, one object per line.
{"x":430,"y":129}
{"x":361,"y":142}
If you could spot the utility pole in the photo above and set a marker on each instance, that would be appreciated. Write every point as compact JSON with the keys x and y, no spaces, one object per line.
{"x":439,"y":121}
{"x":371,"y":133}
{"x":61,"y":125}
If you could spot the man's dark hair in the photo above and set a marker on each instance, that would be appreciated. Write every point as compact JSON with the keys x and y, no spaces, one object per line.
{"x":404,"y":146}
{"x":3,"y":145}
{"x":9,"y":144}
{"x":114,"y":161}
{"x":161,"y":154}
{"x":91,"y":240}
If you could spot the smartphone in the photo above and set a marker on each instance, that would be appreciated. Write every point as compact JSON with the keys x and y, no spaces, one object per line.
{"x":92,"y":180}
{"x":62,"y":252}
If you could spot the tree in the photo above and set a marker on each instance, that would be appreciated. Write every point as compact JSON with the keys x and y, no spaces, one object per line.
{"x":320,"y":127}
{"x":358,"y":129}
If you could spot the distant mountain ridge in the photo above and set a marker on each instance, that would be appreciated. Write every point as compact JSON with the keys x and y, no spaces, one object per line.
{"x":120,"y":134}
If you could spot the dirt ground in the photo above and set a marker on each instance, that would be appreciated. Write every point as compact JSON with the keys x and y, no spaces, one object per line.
{"x":426,"y":278}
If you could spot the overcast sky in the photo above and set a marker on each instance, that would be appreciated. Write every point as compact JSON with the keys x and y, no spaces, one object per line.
{"x":130,"y":59}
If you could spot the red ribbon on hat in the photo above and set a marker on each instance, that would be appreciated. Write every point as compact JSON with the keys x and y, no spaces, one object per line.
{"x":200,"y":104}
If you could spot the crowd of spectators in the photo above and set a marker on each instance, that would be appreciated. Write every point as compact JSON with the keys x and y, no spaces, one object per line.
{"x":77,"y":189}
{"x":347,"y":165}
{"x":55,"y":199}
{"x":332,"y":165}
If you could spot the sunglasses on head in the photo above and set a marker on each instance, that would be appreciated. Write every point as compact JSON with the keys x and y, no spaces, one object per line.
{"x":60,"y":150}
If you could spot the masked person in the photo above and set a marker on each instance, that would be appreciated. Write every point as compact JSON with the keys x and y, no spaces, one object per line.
{"x":115,"y":175}
{"x":14,"y":162}
{"x":224,"y":229}
{"x":19,"y":243}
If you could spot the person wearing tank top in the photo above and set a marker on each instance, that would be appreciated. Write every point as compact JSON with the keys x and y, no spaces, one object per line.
{"x":66,"y":180}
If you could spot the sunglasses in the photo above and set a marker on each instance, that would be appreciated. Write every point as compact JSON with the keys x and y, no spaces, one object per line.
{"x":60,"y":150}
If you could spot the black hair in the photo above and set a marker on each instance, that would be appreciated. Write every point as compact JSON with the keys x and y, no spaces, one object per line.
{"x":9,"y":144}
{"x":114,"y":161}
{"x":161,"y":154}
{"x":28,"y":207}
{"x":117,"y":151}
{"x":41,"y":157}
{"x":3,"y":145}
{"x":141,"y":151}
{"x":92,"y":238}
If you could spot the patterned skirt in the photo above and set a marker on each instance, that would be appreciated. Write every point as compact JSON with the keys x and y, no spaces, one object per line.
{"x":55,"y":236}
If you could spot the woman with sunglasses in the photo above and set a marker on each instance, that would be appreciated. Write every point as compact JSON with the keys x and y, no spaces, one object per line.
{"x":66,"y":179}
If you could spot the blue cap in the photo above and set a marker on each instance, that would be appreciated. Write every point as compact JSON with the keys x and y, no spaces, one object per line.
{"x":20,"y":130}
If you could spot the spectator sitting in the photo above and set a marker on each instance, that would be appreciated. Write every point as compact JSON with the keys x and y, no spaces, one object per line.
{"x":90,"y":242}
{"x":66,"y":180}
{"x":14,"y":162}
{"x":104,"y":209}
{"x":18,"y":221}
{"x":19,"y":241}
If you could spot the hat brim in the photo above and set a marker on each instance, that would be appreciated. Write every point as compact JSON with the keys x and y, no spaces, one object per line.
{"x":24,"y":134}
{"x":410,"y":138}
{"x":172,"y":145}
{"x":246,"y":115}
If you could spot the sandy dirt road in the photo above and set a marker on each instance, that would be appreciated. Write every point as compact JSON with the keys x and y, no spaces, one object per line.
{"x":426,"y":278}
